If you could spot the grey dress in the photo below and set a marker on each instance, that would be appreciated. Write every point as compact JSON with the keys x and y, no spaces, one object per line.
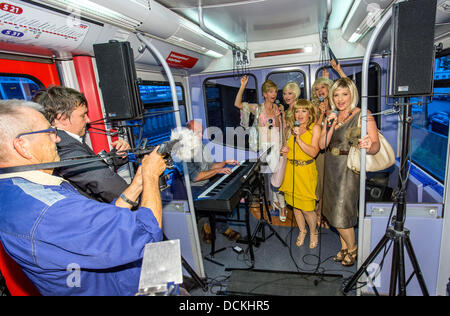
{"x":341,"y":185}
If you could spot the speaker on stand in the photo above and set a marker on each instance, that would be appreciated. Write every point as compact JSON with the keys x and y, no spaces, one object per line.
{"x":413,"y":50}
{"x":118,"y":81}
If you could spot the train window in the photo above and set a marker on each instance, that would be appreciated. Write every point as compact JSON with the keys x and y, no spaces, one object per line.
{"x":282,"y":78}
{"x":354,"y":71}
{"x":431,"y":123}
{"x":219,"y":95}
{"x":159,"y":118}
{"x":18,"y":87}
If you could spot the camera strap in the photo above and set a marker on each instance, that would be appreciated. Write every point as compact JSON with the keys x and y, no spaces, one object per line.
{"x":132,"y":153}
{"x":51,"y":165}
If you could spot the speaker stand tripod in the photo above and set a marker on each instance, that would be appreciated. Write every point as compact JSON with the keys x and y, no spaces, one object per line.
{"x":397,"y":232}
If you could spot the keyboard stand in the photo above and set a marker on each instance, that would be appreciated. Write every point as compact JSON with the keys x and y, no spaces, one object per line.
{"x":212,"y":223}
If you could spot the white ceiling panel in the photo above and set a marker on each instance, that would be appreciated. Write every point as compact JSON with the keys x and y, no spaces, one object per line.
{"x":261,"y":20}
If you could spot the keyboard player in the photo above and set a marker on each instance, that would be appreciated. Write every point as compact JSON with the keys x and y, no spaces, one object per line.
{"x":200,"y":173}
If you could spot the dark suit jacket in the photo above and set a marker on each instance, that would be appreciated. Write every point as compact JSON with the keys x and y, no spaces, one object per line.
{"x":94,"y":180}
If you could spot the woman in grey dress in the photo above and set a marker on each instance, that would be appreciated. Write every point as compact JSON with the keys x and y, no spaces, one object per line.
{"x":341,"y":185}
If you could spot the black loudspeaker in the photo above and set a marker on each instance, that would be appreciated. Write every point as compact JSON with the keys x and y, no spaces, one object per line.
{"x":118,"y":82}
{"x":413,"y":50}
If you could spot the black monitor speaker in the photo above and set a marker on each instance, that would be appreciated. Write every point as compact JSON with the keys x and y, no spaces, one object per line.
{"x":118,"y":81}
{"x":413,"y":50}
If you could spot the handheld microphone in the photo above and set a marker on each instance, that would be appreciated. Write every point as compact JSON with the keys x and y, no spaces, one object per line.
{"x":277,"y":102}
{"x":296,"y":124}
{"x":321,"y":99}
{"x":330,"y":123}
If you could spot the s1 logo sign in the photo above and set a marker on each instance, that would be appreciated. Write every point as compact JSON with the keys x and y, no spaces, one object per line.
{"x":12,"y":33}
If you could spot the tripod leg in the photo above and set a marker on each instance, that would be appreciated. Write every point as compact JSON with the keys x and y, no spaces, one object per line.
{"x":415,"y":264}
{"x":247,"y":224}
{"x":401,"y":268}
{"x":366,"y":264}
{"x":264,"y":199}
{"x":394,"y":270}
{"x":194,"y":275}
{"x":274,"y":232}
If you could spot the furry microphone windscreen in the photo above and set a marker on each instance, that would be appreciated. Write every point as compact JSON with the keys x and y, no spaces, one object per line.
{"x":189,"y":146}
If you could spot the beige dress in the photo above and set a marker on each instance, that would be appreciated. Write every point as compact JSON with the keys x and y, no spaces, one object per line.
{"x":341,"y":185}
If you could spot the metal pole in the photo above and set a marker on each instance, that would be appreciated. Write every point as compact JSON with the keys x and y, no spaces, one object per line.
{"x":208,"y":31}
{"x":176,"y":107}
{"x":364,"y":105}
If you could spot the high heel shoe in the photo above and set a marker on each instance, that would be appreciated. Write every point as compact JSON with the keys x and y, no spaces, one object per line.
{"x":313,"y":240}
{"x":283,"y":218}
{"x":277,"y":207}
{"x":301,"y":238}
{"x":340,"y":255}
{"x":350,"y":258}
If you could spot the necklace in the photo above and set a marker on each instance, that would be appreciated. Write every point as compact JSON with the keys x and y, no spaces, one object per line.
{"x":340,"y":123}
{"x":269,"y":111}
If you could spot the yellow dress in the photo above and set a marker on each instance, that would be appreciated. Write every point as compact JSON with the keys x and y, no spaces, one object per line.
{"x":300,"y":180}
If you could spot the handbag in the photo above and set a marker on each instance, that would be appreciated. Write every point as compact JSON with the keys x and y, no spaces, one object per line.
{"x":384,"y":159}
{"x":278,"y":176}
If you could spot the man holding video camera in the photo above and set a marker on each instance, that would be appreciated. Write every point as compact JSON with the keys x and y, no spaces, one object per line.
{"x":66,"y":243}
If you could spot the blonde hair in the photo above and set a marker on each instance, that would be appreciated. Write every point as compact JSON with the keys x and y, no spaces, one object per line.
{"x":319,"y":81}
{"x":294,"y":87}
{"x":304,"y":104}
{"x":297,"y":92}
{"x":342,"y":84}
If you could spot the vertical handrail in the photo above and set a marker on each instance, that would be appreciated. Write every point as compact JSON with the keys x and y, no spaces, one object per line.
{"x":176,"y":107}
{"x":364,"y":105}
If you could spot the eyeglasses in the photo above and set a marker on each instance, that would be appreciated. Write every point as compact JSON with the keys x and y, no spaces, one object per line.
{"x":51,"y":130}
{"x":270,"y":123}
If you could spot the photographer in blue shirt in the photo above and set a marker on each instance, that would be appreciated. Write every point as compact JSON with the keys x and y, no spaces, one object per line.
{"x":64,"y":242}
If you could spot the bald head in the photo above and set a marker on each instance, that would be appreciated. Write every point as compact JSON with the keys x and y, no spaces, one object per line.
{"x":196,"y":127}
{"x":17,"y":117}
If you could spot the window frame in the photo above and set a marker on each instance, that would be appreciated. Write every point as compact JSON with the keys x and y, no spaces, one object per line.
{"x":205,"y":103}
{"x":306,"y":86}
{"x":30,"y":77}
{"x":162,"y":84}
{"x":160,"y":105}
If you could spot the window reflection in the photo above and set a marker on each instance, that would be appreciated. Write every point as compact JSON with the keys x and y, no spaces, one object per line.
{"x":431,"y":123}
{"x":159,"y":118}
{"x":18,"y":87}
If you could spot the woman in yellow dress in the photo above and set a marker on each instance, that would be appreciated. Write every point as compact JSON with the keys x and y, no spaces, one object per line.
{"x":300,"y":180}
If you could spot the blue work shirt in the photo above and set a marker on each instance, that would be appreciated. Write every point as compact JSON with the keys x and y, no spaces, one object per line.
{"x":68,"y":244}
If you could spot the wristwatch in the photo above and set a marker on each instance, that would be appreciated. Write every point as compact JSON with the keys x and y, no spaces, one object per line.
{"x":123,"y":197}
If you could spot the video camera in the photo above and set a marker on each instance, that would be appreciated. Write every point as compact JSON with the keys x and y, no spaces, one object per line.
{"x":165,"y":150}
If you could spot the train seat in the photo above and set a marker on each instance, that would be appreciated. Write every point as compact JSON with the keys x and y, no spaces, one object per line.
{"x":17,"y":282}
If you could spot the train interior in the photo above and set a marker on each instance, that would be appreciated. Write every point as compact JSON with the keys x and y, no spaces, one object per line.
{"x":189,"y":57}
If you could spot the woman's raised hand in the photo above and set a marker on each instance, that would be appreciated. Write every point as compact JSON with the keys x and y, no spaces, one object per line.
{"x":244,"y":81}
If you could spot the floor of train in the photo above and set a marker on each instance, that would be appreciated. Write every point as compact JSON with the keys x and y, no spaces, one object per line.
{"x":271,"y":255}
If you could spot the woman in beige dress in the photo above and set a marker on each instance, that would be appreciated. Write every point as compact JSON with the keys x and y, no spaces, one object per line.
{"x":341,"y":185}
